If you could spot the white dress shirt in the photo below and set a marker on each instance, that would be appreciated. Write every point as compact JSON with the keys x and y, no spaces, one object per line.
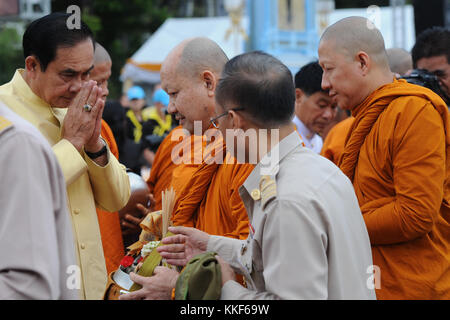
{"x":311,"y":139}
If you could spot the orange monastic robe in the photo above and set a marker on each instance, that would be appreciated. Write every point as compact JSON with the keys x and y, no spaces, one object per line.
{"x":161,"y":171}
{"x":167,"y":171}
{"x":398,"y":158}
{"x":210,"y":201}
{"x":222,"y":211}
{"x":109,"y":221}
{"x":334,"y":143}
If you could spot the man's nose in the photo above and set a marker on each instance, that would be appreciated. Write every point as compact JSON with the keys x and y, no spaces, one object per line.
{"x":328,"y":113}
{"x":325,"y":83}
{"x":75,"y":85}
{"x":171,"y":107}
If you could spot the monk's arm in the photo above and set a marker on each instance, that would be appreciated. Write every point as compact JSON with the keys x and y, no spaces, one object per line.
{"x":418,"y":157}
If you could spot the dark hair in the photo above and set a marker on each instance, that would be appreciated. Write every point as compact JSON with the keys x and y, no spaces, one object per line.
{"x":261,"y":85}
{"x":44,"y":36}
{"x":431,"y":42}
{"x":309,"y":78}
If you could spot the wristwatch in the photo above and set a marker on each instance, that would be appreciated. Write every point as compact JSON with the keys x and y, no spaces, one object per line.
{"x":95,"y":155}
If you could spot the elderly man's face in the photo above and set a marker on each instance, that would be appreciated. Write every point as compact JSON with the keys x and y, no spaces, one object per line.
{"x":101,"y":74}
{"x":440,"y":67}
{"x":63,"y":78}
{"x":341,"y":76}
{"x":315,"y":110}
{"x":190,"y":98}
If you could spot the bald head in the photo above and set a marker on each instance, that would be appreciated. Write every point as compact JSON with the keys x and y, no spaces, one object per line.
{"x":354,"y":62}
{"x":189,"y":75}
{"x":355,"y":34}
{"x":195,"y":55}
{"x":101,"y":55}
{"x":400,"y":60}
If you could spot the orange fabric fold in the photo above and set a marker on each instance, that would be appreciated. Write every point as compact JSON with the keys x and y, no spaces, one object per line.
{"x":222,"y":211}
{"x":210,"y":201}
{"x":108,"y":135}
{"x":171,"y":167}
{"x":109,"y":222}
{"x":206,"y":189}
{"x":195,"y":190}
{"x":397,"y":156}
{"x":162,"y":168}
{"x":334,"y":143}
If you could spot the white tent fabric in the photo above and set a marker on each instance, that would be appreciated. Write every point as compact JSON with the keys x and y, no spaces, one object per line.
{"x":172,"y":32}
{"x":175,"y":30}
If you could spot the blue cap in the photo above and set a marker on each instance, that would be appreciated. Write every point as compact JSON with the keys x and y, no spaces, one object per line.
{"x":136,"y":92}
{"x":162,"y":97}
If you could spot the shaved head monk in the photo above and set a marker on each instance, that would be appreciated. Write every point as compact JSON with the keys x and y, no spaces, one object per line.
{"x":397,"y":156}
{"x":207,"y":193}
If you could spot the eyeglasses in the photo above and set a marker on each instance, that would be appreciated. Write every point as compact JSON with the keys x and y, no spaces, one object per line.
{"x":214,"y":121}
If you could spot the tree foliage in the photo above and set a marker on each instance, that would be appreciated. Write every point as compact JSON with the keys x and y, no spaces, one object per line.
{"x":11,"y":56}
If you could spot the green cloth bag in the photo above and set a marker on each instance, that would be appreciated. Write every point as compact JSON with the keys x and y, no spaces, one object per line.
{"x":201,"y":279}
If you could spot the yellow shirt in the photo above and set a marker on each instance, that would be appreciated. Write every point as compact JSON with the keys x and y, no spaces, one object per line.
{"x":88,"y":185}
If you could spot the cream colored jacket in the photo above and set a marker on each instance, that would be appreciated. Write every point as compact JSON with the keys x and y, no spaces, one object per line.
{"x":88,"y":185}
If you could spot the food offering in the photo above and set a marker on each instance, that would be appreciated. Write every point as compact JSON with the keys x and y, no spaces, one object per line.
{"x":141,"y":257}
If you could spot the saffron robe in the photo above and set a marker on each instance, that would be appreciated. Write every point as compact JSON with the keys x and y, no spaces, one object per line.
{"x":109,"y":222}
{"x":210,"y":201}
{"x":398,"y":158}
{"x":169,"y":168}
{"x":334,"y":143}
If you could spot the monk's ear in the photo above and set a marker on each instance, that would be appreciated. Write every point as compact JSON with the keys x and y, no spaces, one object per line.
{"x":32,"y":66}
{"x":210,"y":82}
{"x":364,"y":62}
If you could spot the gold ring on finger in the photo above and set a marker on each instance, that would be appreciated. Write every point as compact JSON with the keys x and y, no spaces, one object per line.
{"x":87,"y":107}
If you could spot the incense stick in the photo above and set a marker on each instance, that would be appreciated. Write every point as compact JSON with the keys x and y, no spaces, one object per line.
{"x":168,"y":202}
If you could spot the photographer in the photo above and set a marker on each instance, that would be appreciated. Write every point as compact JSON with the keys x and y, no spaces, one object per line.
{"x":428,"y":80}
{"x":432,"y":53}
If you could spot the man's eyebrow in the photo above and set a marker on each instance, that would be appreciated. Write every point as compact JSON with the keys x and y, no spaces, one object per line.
{"x":71,"y":71}
{"x":90,"y":69}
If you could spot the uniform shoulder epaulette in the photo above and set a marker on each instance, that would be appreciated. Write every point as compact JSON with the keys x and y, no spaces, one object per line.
{"x":4,"y":124}
{"x":268,"y":189}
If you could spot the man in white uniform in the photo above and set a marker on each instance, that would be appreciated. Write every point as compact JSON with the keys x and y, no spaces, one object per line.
{"x":308,"y":239}
{"x":36,"y":241}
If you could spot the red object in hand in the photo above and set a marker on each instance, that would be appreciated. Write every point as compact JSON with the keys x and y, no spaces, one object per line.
{"x":127,"y":261}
